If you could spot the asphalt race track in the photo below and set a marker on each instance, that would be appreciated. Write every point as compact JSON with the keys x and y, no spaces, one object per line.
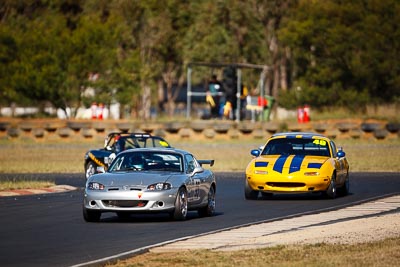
{"x":49,"y":230}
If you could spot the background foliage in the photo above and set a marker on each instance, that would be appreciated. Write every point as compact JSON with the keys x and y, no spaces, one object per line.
{"x":323,"y":53}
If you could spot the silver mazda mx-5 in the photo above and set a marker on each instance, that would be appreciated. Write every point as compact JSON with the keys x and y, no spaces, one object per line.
{"x":151,"y":180}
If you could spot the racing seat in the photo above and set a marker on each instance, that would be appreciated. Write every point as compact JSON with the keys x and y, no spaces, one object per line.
{"x":285,"y":149}
{"x":135,"y":161}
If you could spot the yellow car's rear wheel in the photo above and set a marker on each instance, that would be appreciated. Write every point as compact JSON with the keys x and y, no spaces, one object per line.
{"x":344,"y":190}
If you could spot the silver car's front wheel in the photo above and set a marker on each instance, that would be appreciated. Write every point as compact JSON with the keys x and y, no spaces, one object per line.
{"x":91,"y":215}
{"x":181,"y":205}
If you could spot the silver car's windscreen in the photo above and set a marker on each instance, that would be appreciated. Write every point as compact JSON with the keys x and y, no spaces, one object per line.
{"x":147,"y":161}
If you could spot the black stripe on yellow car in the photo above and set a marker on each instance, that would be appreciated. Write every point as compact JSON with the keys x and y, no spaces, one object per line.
{"x":314,"y":165}
{"x":278,"y":166}
{"x":295,"y":163}
{"x":261,"y":164}
{"x":97,"y":161}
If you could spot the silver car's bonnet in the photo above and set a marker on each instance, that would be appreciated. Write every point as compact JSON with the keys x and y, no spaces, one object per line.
{"x":130,"y":178}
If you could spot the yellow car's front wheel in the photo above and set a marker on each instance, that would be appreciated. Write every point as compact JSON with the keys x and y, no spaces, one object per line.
{"x":331,"y":191}
{"x":250,"y":193}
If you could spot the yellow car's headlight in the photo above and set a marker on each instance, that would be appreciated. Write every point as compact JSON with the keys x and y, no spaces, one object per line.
{"x":260,"y":172}
{"x":311,"y":173}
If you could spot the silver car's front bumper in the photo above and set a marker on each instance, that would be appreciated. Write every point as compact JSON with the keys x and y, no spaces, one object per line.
{"x":130,"y":201}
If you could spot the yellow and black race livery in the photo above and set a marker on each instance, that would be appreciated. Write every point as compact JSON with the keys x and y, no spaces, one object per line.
{"x":115,"y":143}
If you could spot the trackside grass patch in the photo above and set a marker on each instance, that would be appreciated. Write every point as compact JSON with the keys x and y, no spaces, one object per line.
{"x":20,"y":157}
{"x":24,"y":184}
{"x":382,"y":253}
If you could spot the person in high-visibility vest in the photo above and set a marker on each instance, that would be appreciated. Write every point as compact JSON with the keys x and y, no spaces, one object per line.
{"x":213,"y":96}
{"x":228,"y":110}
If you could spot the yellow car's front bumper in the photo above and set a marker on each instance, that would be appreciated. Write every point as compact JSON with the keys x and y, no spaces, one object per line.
{"x":288,"y":184}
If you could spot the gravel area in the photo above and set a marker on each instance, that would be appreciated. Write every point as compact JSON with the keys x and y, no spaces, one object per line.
{"x":366,"y":222}
{"x":347,"y":232}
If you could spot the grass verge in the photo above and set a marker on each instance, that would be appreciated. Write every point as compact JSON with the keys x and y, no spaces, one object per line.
{"x":381,"y":253}
{"x":20,"y":157}
{"x":24,"y":184}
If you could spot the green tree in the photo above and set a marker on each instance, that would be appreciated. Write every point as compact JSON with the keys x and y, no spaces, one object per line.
{"x":8,"y":56}
{"x":55,"y":62}
{"x":208,"y":38}
{"x":39,"y":74}
{"x":117,"y":75}
{"x":344,"y":52}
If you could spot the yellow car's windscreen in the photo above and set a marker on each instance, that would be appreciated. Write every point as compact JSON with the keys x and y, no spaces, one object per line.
{"x":297,"y":146}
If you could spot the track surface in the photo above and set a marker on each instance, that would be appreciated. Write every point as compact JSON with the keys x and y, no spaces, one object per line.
{"x":48,"y":230}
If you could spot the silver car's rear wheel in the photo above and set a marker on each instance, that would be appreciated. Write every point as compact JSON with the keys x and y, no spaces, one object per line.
{"x":209,"y":210}
{"x":181,"y":205}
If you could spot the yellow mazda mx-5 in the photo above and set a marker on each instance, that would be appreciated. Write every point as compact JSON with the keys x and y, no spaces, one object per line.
{"x":297,"y":163}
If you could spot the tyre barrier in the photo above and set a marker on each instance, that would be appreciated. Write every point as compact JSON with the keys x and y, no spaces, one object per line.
{"x":222,"y":127}
{"x":64,"y":130}
{"x":393,"y":127}
{"x":271,"y":127}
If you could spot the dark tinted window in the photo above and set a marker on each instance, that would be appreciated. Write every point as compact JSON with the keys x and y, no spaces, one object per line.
{"x":297,"y":146}
{"x":147,"y":161}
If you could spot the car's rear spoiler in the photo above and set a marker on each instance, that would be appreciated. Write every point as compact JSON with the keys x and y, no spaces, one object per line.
{"x":206,"y":161}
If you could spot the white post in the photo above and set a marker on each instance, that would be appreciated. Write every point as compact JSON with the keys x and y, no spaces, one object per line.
{"x":189,"y":93}
{"x":238,"y":88}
